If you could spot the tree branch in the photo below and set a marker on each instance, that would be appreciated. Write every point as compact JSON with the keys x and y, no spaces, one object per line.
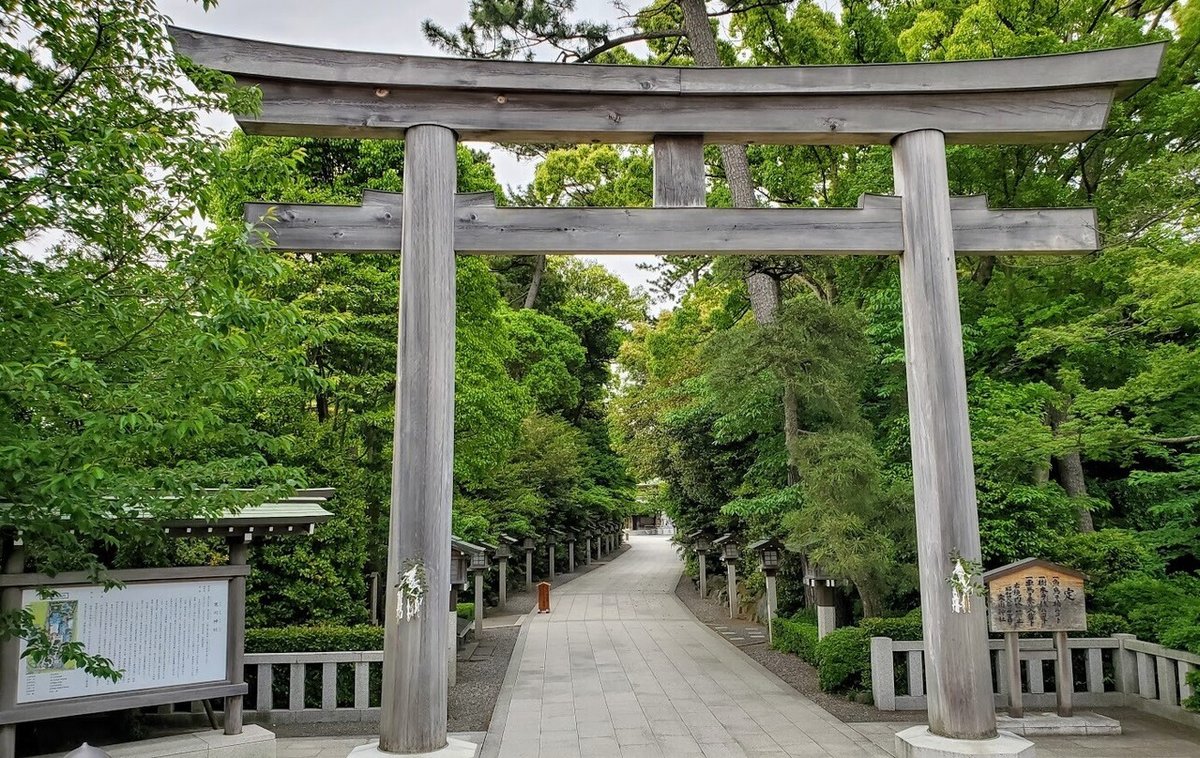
{"x":618,"y":41}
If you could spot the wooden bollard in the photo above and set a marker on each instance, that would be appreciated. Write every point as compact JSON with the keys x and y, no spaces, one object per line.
{"x":543,"y":597}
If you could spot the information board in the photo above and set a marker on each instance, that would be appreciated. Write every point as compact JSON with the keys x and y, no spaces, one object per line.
{"x":159,"y":634}
{"x":1036,"y":598}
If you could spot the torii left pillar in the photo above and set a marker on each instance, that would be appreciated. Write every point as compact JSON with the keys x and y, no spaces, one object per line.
{"x":414,"y":700}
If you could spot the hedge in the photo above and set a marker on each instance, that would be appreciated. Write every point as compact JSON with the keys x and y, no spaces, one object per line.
{"x":844,"y":656}
{"x":796,"y":637}
{"x":309,"y":639}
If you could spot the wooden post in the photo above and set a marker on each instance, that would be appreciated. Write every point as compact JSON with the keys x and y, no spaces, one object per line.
{"x":960,"y":686}
{"x":478,"y":604}
{"x":703,"y":560}
{"x":503,"y":588}
{"x":772,"y":604}
{"x":238,"y":550}
{"x":413,"y":714}
{"x":588,"y":552}
{"x":550,"y":548}
{"x":528,"y":570}
{"x":731,"y":579}
{"x":10,"y":662}
{"x":571,"y":557}
{"x":1012,"y":658}
{"x":1064,"y":675}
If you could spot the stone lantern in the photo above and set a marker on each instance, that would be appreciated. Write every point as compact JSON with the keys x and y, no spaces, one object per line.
{"x":769,"y":553}
{"x":731,"y":553}
{"x":823,"y":585}
{"x":701,"y":544}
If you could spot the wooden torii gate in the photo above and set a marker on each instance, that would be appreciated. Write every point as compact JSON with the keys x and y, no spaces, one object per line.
{"x":916,"y":108}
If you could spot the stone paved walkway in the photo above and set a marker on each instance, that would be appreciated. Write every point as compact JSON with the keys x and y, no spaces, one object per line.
{"x":622,"y":669}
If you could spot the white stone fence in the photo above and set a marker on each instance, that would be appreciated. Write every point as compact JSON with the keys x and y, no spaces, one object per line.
{"x":1106,"y":672}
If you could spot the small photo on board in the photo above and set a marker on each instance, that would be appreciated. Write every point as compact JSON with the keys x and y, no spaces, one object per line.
{"x":59,"y":620}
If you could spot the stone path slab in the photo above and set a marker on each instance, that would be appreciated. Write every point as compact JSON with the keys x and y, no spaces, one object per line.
{"x":620,"y":668}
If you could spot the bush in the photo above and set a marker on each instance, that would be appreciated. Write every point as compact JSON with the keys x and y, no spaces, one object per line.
{"x":307,"y":639}
{"x":1108,"y":556}
{"x":906,"y":627}
{"x":844,"y":659}
{"x":1159,"y":610}
{"x":1104,"y":625}
{"x":796,"y":637}
{"x":465,"y":611}
{"x":1192,"y":702}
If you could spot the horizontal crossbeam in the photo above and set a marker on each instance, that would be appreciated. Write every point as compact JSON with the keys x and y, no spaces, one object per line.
{"x":481,"y":228}
{"x":337,"y":93}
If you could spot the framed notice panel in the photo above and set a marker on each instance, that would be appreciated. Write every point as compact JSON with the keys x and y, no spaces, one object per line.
{"x":158,"y":634}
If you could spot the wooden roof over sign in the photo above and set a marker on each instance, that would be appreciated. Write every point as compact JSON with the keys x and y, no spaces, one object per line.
{"x":337,"y":93}
{"x":298,"y":514}
{"x":1029,"y":564}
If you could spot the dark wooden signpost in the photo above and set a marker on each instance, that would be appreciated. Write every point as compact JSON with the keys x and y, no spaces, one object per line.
{"x":1036,"y":596}
{"x":916,"y":108}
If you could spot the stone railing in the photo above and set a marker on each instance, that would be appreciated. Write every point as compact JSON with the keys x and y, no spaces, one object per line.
{"x":1106,"y":672}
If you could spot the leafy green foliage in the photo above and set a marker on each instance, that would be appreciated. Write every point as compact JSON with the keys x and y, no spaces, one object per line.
{"x":304,"y":639}
{"x":796,"y":637}
{"x":844,"y":659}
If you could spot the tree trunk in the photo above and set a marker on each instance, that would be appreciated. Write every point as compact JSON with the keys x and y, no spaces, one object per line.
{"x":1070,"y":471}
{"x":763,"y":289}
{"x":535,"y":282}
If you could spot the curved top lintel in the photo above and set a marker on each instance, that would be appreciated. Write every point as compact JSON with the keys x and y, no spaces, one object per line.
{"x":1123,"y":68}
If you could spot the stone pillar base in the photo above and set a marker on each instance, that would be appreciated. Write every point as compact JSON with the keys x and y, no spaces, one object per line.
{"x":919,"y":742}
{"x":455,"y":748}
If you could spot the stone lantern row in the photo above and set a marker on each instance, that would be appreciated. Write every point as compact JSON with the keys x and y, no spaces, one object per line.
{"x":769,"y":552}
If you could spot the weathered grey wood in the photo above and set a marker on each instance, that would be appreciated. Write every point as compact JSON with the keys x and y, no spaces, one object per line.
{"x":1147,"y":684}
{"x":235,"y":656}
{"x":1037,"y":679}
{"x":731,"y":583}
{"x":265,"y":698}
{"x":679,"y":180}
{"x":1013,"y":663}
{"x":80,"y":706}
{"x":1095,"y":670}
{"x":503,"y":584}
{"x":10,"y":647}
{"x":294,"y":108}
{"x":883,"y":673}
{"x":702,"y":560}
{"x":571,"y":556}
{"x":478,"y":604}
{"x":125,"y":576}
{"x":1168,"y":688}
{"x":362,"y":685}
{"x":413,"y":717}
{"x":959,"y":681}
{"x":316,"y":92}
{"x":550,"y":548}
{"x":588,"y":552}
{"x":240,"y":56}
{"x":483,"y":229}
{"x":528,"y":570}
{"x":1064,"y":677}
{"x":1124,"y":665}
{"x":328,"y":686}
{"x":916,"y":673}
{"x":296,"y":686}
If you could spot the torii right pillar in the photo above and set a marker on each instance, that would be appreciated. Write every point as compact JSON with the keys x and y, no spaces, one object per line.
{"x":960,"y":702}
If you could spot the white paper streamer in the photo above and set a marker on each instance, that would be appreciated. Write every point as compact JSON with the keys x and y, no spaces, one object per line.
{"x":410,"y":593}
{"x":961,"y":588}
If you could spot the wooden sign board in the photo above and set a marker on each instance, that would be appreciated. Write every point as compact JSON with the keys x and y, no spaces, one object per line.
{"x":1035,"y":596}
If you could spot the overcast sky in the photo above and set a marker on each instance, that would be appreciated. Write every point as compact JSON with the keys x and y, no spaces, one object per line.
{"x":391,"y":26}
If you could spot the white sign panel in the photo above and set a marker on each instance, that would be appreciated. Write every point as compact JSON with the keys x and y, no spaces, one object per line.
{"x":158,"y":634}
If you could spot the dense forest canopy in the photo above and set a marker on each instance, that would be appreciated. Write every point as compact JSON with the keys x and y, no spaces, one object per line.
{"x":154,"y":354}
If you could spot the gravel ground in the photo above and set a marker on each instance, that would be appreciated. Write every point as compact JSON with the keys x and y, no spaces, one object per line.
{"x":788,"y":667}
